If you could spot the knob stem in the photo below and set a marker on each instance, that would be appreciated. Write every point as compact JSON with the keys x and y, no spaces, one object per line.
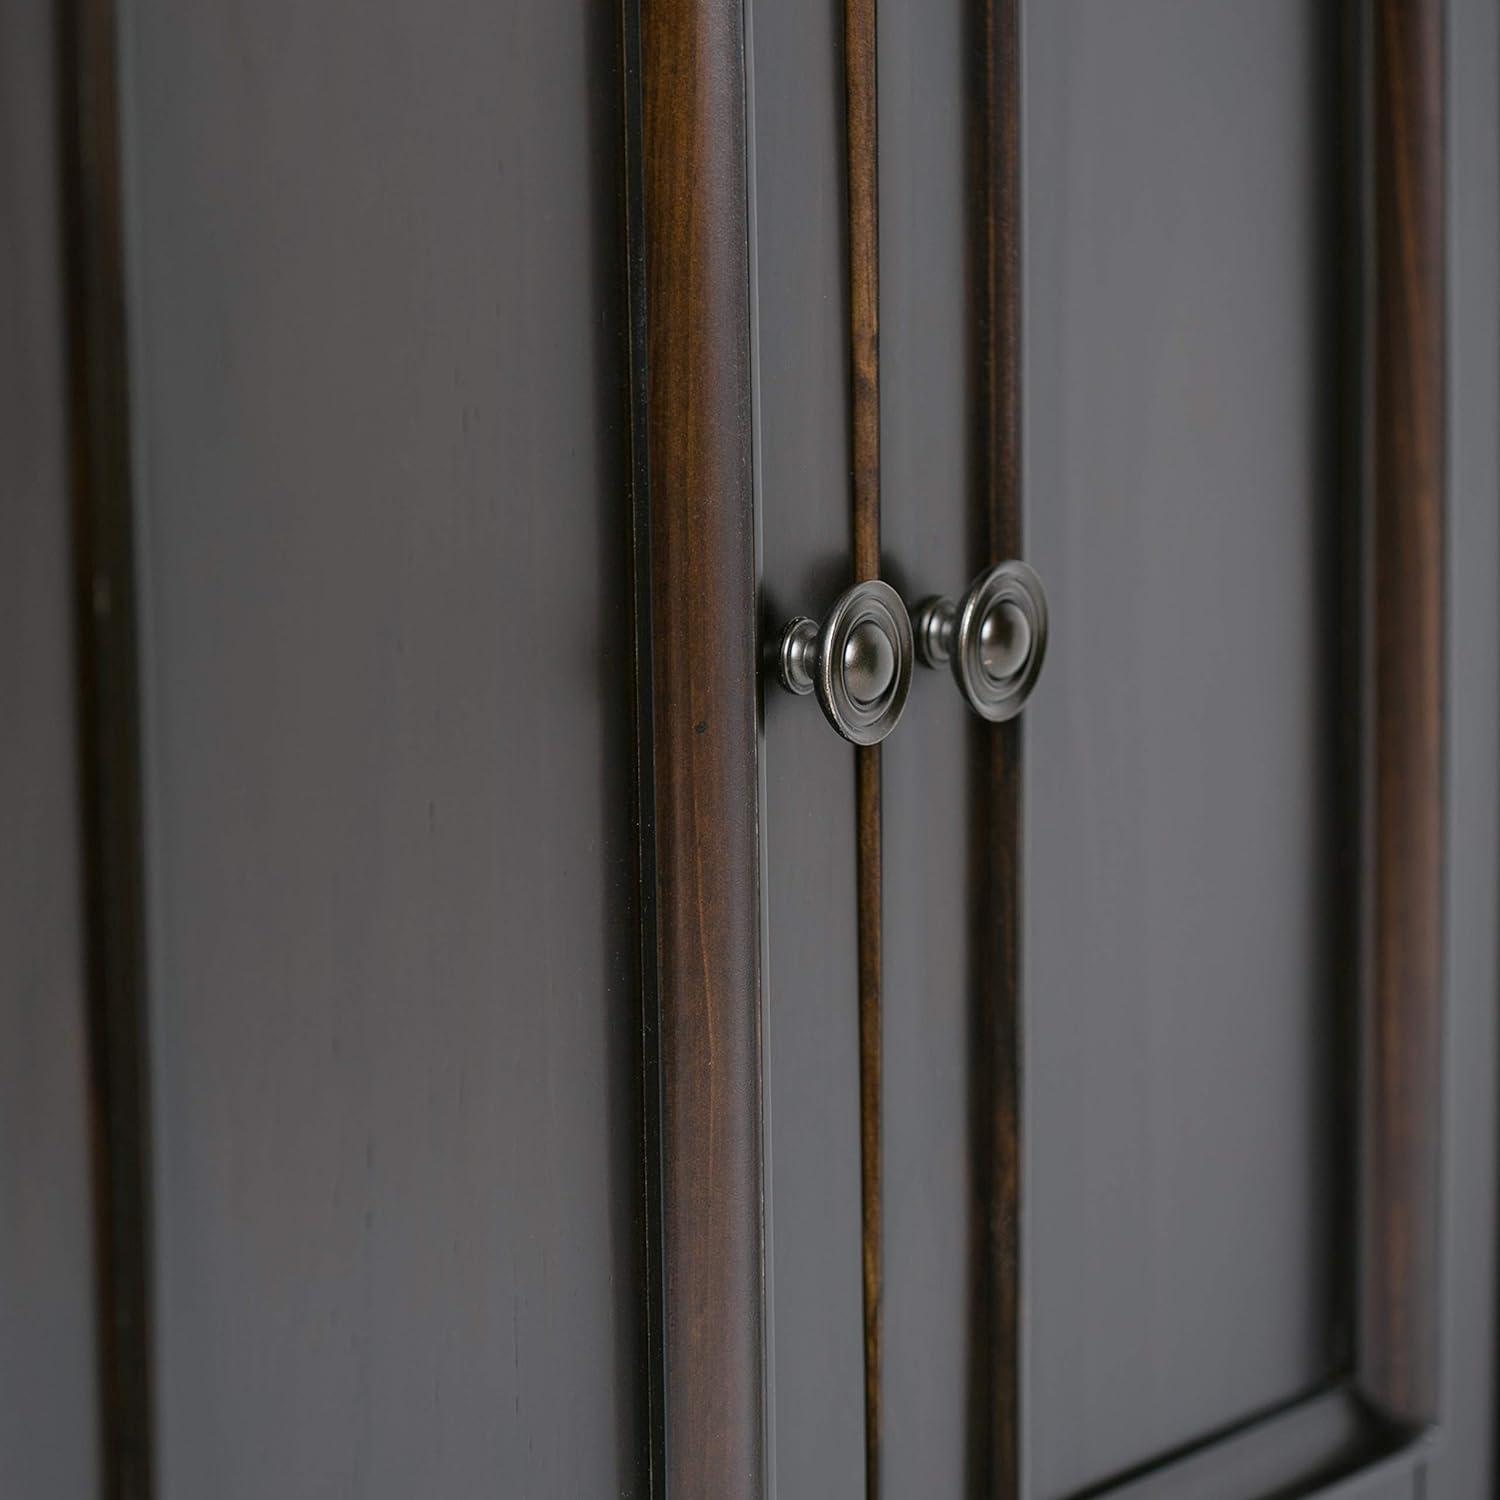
{"x":934,"y":623}
{"x":797,"y":655}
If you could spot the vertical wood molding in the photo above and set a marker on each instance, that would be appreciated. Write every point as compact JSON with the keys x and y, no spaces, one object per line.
{"x":862,"y":135}
{"x":110,"y":770}
{"x":702,"y":600}
{"x":995,"y":757}
{"x":1399,"y":1333}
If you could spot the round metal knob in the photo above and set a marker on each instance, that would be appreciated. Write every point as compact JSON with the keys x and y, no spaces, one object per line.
{"x":869,"y":663}
{"x":858,"y":661}
{"x":994,"y":638}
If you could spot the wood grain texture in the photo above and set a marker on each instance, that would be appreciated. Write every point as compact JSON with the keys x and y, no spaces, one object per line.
{"x":864,"y":280}
{"x":862,"y":134}
{"x":995,"y":758}
{"x":110,"y":741}
{"x":704,"y":676}
{"x":1398,"y":1351}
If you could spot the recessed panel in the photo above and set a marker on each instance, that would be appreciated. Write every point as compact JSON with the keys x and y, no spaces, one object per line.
{"x":1182,"y":967}
{"x":380,"y":421}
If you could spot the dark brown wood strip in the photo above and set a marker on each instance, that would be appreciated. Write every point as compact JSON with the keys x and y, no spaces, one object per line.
{"x":705,"y":785}
{"x":108,"y":696}
{"x":864,"y":423}
{"x":1398,"y":1359}
{"x":996,"y":758}
{"x":864,"y":282}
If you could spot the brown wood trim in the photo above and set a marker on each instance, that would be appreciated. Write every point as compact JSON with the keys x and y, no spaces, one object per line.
{"x":1399,"y":1329}
{"x":861,"y":129}
{"x":864,"y":282}
{"x":705,"y":782}
{"x":995,"y":757}
{"x":110,"y":757}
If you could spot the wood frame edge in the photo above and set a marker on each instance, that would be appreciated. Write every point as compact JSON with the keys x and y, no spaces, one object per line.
{"x":701,"y":593}
{"x":110,"y":757}
{"x":1398,"y":1344}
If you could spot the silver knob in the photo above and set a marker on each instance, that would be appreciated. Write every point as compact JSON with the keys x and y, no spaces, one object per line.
{"x":858,"y":661}
{"x":994,"y":638}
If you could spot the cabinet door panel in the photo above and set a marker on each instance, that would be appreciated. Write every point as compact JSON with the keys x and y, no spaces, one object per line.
{"x":378,"y":327}
{"x":1183,"y":976}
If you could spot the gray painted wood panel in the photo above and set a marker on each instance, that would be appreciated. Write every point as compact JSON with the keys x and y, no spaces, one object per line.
{"x":811,"y":995}
{"x":1399,"y":1478}
{"x":1180,"y":1198}
{"x":378,"y":317}
{"x":1462,"y":1463}
{"x":927,"y":354}
{"x":48,"y":1418}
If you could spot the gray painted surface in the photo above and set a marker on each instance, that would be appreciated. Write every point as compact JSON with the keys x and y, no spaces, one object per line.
{"x":926,"y":359}
{"x":1463,"y":1459}
{"x":377,"y":327}
{"x":812,"y":997}
{"x":48,"y":1425}
{"x":1179,"y":1214}
{"x":1399,"y":1478}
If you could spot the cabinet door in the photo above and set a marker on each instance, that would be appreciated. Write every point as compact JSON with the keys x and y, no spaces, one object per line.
{"x":476,"y":1024}
{"x":1192,"y":782}
{"x":351,"y":322}
{"x":1174,"y":1043}
{"x":1234,"y":1241}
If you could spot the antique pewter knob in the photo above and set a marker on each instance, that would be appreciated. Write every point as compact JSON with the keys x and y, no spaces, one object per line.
{"x":858,"y":661}
{"x":994,"y":638}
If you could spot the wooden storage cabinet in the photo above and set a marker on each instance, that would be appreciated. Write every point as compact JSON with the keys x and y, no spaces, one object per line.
{"x":466,"y":1029}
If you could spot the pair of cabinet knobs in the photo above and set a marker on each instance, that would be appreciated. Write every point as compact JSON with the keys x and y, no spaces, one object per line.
{"x":859,"y":660}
